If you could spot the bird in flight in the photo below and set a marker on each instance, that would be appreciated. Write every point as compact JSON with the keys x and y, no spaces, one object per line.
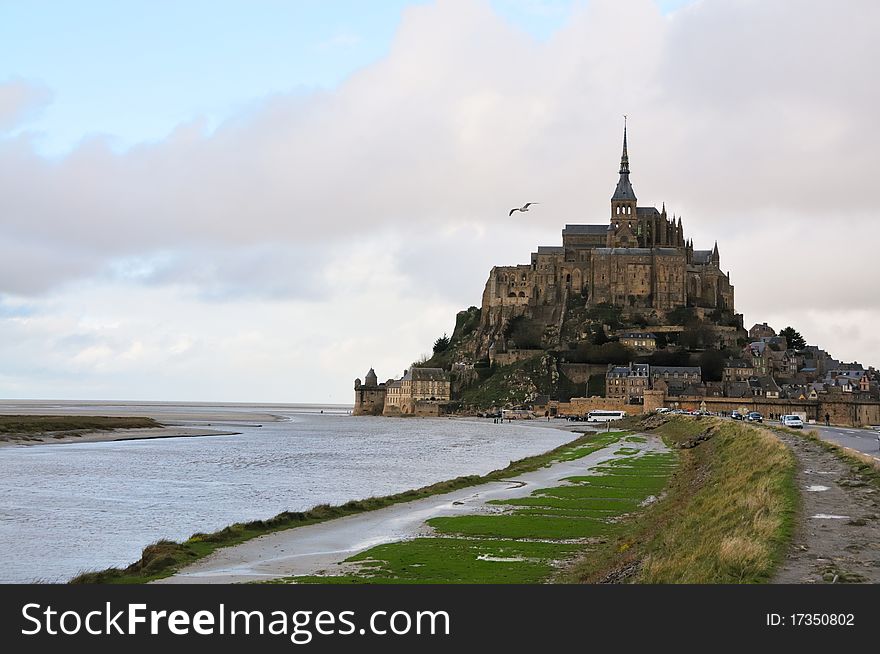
{"x":523,"y":208}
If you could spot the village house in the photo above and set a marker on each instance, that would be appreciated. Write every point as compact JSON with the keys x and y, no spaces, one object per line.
{"x":640,"y":341}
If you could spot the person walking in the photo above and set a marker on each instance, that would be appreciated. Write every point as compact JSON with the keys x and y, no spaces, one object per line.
{"x":827,"y":420}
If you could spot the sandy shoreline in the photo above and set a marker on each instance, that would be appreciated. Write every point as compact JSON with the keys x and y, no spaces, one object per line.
{"x":109,"y":436}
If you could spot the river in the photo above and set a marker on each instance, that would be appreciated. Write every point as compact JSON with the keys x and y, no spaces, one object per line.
{"x":69,"y":508}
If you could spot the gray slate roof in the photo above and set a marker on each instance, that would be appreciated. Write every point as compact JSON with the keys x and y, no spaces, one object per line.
{"x":426,"y":374}
{"x":585,"y":230}
{"x":690,"y":370}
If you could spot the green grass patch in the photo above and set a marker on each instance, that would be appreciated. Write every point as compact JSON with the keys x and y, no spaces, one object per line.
{"x":619,"y":505}
{"x":581,"y":491}
{"x":520,"y":526}
{"x":451,"y":560}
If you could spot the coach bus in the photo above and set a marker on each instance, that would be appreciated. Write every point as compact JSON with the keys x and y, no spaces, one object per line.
{"x":605,"y":416}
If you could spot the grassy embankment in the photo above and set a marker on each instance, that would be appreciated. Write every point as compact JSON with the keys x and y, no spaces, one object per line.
{"x":31,"y":428}
{"x":727,"y":515}
{"x":164,"y":558}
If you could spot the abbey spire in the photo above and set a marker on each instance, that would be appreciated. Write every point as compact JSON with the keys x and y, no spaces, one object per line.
{"x":624,"y":190}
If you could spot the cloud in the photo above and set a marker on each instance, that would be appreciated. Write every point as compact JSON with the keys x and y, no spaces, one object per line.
{"x":389,"y":194}
{"x":19,"y":101}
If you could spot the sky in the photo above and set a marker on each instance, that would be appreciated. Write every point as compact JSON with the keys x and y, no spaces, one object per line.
{"x":259,"y":201}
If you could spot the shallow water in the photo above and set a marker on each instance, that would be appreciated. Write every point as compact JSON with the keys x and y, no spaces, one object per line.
{"x":69,"y":508}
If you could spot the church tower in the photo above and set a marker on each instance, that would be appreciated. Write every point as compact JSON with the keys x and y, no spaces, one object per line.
{"x":624,"y":218}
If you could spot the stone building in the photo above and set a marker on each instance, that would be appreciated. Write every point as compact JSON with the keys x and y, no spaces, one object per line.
{"x":420,"y":391}
{"x":629,"y":383}
{"x":737,"y":370}
{"x":645,"y":341}
{"x":761,"y":330}
{"x":369,"y":396}
{"x":639,"y":260}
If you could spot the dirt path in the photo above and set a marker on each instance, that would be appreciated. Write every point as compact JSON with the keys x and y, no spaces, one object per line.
{"x":837,"y":539}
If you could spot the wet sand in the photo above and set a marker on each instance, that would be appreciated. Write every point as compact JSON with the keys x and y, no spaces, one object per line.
{"x":321,"y":548}
{"x":108,"y":436}
{"x":161,"y":412}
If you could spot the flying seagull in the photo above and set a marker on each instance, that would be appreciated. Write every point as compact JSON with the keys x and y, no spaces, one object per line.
{"x":525,"y":207}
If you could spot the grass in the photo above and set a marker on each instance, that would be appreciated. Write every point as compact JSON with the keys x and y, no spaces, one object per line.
{"x":450,"y":560}
{"x":164,"y":558}
{"x":33,"y":426}
{"x":521,"y":525}
{"x":727,"y":515}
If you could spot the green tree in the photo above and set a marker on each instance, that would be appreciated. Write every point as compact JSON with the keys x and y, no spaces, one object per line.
{"x":712,"y":364}
{"x":597,"y":335}
{"x":441,"y":344}
{"x":793,"y":338}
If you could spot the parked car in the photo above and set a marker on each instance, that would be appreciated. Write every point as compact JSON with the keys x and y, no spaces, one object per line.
{"x":792,"y":421}
{"x":736,"y":415}
{"x":754,"y":416}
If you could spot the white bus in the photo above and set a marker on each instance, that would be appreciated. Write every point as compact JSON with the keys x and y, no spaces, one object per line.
{"x":605,"y":416}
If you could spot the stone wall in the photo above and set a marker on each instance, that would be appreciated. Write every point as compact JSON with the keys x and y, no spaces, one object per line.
{"x":513,"y":356}
{"x":368,"y":400}
{"x":850,"y":412}
{"x":579,"y":373}
{"x":580,"y":406}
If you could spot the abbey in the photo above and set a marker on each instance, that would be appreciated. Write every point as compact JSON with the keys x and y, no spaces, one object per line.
{"x":639,"y":260}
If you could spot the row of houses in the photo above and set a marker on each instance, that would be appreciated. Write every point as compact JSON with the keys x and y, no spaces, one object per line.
{"x":629,"y":383}
{"x":766,"y":368}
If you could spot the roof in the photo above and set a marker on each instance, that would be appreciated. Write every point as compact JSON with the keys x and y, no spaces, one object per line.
{"x":649,"y":211}
{"x":702,"y":256}
{"x":737,"y":363}
{"x":551,"y":249}
{"x":426,"y":374}
{"x":578,"y":230}
{"x":641,"y":251}
{"x":738,"y":389}
{"x":689,"y":370}
{"x":637,"y":335}
{"x":624,"y":190}
{"x":634,"y":369}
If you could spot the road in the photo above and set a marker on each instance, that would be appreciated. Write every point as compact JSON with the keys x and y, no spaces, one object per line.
{"x":863,"y":440}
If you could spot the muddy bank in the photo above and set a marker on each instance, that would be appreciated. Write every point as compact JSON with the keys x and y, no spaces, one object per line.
{"x":9,"y":440}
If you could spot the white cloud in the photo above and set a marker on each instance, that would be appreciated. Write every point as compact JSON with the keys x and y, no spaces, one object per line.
{"x":19,"y":100}
{"x":316,"y":235}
